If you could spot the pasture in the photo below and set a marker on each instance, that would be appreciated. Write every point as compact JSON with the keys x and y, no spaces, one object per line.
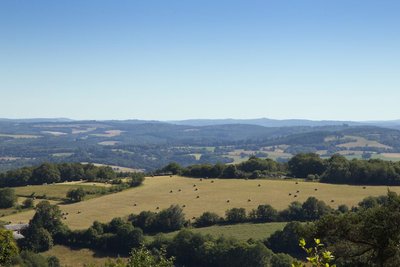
{"x":243,"y":231}
{"x":53,"y":191}
{"x":78,"y":257}
{"x":216,"y":195}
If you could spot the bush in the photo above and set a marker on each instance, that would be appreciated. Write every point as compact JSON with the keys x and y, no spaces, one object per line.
{"x":28,"y":203}
{"x":236,"y":215}
{"x":7,"y":198}
{"x":207,"y":219}
{"x":76,"y":195}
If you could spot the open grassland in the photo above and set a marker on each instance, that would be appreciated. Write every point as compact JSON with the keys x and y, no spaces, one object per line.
{"x":116,"y":168}
{"x":20,"y":136}
{"x":78,"y":257}
{"x":362,"y":142}
{"x":245,"y":231}
{"x":53,"y":191}
{"x":213,"y":196}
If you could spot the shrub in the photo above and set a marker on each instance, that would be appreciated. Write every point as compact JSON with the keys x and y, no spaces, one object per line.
{"x":207,"y":219}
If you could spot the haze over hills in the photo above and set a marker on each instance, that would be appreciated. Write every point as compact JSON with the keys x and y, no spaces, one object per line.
{"x":266,"y":122}
{"x":149,"y":145}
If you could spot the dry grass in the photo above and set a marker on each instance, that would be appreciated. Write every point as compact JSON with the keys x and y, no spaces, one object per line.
{"x":52,"y":191}
{"x":108,"y":143}
{"x":362,"y":142}
{"x":116,"y":168}
{"x":212,"y":197}
{"x":77,"y":257}
{"x":54,"y":133}
{"x":20,"y":136}
{"x":109,"y":133}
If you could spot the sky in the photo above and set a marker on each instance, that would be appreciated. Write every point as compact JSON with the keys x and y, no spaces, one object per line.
{"x":172,"y":60}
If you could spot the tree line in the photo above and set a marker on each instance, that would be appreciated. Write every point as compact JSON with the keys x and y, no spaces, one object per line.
{"x":47,"y":173}
{"x":336,"y":169}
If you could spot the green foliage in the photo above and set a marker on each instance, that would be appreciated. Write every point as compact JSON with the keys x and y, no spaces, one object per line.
{"x":42,"y":227}
{"x":7,"y":198}
{"x":317,"y":256}
{"x":137,"y":179}
{"x":166,"y":220}
{"x":46,"y":173}
{"x":172,"y":168}
{"x":76,"y":195}
{"x":28,"y":203}
{"x":236,"y":215}
{"x":31,"y":259}
{"x":37,"y":239}
{"x":53,"y":261}
{"x":368,"y":237}
{"x":264,"y":213}
{"x":207,"y":219}
{"x":142,"y":257}
{"x":53,"y":173}
{"x":302,"y":165}
{"x":8,"y":247}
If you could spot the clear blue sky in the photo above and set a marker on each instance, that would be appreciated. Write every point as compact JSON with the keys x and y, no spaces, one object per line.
{"x":95,"y":59}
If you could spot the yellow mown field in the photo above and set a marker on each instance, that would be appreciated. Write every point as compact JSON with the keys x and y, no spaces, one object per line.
{"x":213,"y":196}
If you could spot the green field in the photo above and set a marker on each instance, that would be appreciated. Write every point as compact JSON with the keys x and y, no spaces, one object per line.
{"x":164,"y":191}
{"x":78,"y":257}
{"x":245,"y":231}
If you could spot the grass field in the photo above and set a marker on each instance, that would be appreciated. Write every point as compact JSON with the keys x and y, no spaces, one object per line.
{"x":77,"y":257}
{"x":245,"y":231}
{"x":20,"y":136}
{"x":362,"y":142}
{"x":53,"y":191}
{"x":212,"y":197}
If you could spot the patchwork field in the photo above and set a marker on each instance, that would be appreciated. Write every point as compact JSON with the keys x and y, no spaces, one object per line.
{"x":211,"y":195}
{"x":362,"y":142}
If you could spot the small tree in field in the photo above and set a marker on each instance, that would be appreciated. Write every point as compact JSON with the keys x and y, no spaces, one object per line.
{"x":76,"y":195}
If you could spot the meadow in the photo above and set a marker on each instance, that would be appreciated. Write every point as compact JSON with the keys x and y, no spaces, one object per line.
{"x":81,"y":257}
{"x":243,"y":231}
{"x":199,"y":195}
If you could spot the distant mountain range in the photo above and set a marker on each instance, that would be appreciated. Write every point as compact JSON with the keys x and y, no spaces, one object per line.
{"x":265,"y":122}
{"x":144,"y":144}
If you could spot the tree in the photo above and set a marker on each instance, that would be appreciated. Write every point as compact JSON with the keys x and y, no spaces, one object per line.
{"x":76,"y":195}
{"x":142,"y":257}
{"x":303,"y":164}
{"x":28,"y":203}
{"x":170,"y":219}
{"x":7,"y":198}
{"x":230,"y":172}
{"x":236,"y":215}
{"x":265,"y":213}
{"x":368,"y":237}
{"x":314,"y":209}
{"x":53,"y":261}
{"x":207,"y":219}
{"x":37,"y":239}
{"x":48,"y":217}
{"x":8,"y":247}
{"x":46,"y":173}
{"x":173,"y":168}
